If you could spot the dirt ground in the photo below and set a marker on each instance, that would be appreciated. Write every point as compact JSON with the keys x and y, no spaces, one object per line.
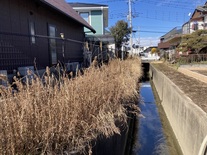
{"x":193,"y":88}
{"x":203,"y":72}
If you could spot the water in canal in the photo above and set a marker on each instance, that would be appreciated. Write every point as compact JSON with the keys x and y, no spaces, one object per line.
{"x":151,"y":139}
{"x":154,"y":134}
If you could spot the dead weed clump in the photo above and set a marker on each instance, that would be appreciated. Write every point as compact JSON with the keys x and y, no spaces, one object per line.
{"x":53,"y":115}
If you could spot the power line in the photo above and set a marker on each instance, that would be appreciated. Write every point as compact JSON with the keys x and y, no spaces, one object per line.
{"x":158,"y":18}
{"x":177,"y":4}
{"x":152,"y":26}
{"x":157,"y":15}
{"x":109,"y":1}
{"x":162,"y":17}
{"x":151,"y":31}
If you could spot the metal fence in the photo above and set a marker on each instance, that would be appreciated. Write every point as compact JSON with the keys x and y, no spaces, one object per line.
{"x":192,"y":58}
{"x":18,"y":50}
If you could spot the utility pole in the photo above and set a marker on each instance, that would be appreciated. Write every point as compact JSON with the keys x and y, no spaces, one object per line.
{"x":139,"y":35}
{"x":130,"y":23}
{"x":139,"y":48}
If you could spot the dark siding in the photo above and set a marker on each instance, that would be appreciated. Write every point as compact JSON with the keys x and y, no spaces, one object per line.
{"x":4,"y":16}
{"x":15,"y":16}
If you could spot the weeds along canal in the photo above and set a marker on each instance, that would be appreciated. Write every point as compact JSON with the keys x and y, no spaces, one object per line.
{"x":148,"y":135}
{"x":154,"y":135}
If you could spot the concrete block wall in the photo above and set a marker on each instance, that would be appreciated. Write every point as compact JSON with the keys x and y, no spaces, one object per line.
{"x":188,"y":121}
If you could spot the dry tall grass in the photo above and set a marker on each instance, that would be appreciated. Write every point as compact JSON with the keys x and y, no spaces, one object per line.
{"x":67,"y":114}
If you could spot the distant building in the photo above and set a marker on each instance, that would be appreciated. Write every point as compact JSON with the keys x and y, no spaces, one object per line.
{"x":97,"y":16}
{"x":198,"y":20}
{"x":149,"y":54}
{"x":170,"y":41}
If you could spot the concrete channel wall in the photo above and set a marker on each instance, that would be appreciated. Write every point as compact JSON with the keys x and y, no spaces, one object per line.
{"x":188,"y":121}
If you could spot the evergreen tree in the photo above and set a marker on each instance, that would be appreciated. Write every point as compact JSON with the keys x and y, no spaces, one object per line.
{"x":120,"y":32}
{"x":194,"y":42}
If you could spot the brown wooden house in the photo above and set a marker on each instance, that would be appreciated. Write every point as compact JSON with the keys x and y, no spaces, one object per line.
{"x":198,"y":20}
{"x":44,"y":31}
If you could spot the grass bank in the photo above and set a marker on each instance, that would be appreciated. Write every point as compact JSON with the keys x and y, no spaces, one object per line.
{"x":65,"y":114}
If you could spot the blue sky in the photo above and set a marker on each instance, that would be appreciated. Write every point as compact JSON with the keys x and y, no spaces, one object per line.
{"x":151,"y":18}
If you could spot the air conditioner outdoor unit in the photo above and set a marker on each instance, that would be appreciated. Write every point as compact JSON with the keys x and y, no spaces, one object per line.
{"x":3,"y":78}
{"x":75,"y":66}
{"x":72,"y":66}
{"x":23,"y":70}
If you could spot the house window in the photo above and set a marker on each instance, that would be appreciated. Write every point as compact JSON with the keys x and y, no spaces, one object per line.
{"x":32,"y":32}
{"x":195,"y":26}
{"x":52,"y":44}
{"x":85,"y":16}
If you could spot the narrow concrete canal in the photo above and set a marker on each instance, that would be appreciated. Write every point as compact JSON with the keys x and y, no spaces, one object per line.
{"x":151,"y":139}
{"x":154,"y":135}
{"x":148,"y":135}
